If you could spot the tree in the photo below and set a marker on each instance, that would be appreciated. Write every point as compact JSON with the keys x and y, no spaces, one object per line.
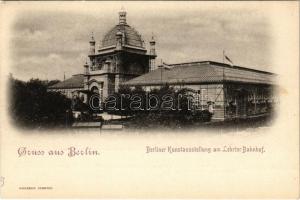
{"x":32,"y":105}
{"x":164,"y":106}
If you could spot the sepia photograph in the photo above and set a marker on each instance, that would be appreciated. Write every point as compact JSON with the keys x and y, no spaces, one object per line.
{"x":121,"y":70}
{"x":149,"y":99}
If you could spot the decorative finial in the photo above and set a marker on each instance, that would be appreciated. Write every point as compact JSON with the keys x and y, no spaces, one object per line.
{"x":152,"y":41}
{"x":122,"y":16}
{"x":86,"y":67}
{"x":92,"y":36}
{"x":92,"y":44}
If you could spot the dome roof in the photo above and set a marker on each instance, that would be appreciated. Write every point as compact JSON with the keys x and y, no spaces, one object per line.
{"x":132,"y":37}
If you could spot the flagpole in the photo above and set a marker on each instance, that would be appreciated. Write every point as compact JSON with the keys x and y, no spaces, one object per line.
{"x":161,"y":75}
{"x":64,"y":90}
{"x":161,"y":68}
{"x":224,"y":85}
{"x":223,"y":66}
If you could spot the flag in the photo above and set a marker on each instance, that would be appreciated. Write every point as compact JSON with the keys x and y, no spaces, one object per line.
{"x":227,"y":58}
{"x":164,"y":65}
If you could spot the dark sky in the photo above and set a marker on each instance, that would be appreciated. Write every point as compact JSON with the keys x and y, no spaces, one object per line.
{"x":52,"y":39}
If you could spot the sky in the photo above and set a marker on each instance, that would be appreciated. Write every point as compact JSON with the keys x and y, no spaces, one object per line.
{"x":49,"y":41}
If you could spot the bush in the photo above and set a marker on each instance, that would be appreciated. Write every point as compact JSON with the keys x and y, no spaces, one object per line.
{"x":32,"y":106}
{"x":181,"y":99}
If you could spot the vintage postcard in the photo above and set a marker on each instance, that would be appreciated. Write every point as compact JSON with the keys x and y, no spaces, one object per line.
{"x":149,"y":99}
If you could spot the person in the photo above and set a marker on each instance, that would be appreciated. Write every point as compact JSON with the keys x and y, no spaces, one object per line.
{"x":101,"y":119}
{"x":210,"y":107}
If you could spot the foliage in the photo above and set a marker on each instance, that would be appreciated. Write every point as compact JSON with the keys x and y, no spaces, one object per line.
{"x":31,"y":105}
{"x":177,"y":112}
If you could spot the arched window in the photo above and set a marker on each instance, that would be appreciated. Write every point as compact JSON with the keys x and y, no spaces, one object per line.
{"x":95,"y":90}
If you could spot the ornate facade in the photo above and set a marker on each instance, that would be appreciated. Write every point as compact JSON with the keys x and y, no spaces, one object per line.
{"x":120,"y":57}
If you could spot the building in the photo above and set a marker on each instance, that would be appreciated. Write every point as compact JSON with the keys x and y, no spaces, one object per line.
{"x":231,"y":91}
{"x":121,"y":56}
{"x":70,"y":87}
{"x":234,"y":92}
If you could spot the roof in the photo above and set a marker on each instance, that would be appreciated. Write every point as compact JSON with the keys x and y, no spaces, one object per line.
{"x":132,"y":37}
{"x":76,"y":81}
{"x":202,"y":72}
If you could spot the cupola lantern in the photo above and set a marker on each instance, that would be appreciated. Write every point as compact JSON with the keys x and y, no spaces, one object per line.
{"x":122,"y":16}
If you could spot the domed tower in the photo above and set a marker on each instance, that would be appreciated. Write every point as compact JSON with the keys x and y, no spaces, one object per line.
{"x":130,"y":37}
{"x":121,"y":56}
